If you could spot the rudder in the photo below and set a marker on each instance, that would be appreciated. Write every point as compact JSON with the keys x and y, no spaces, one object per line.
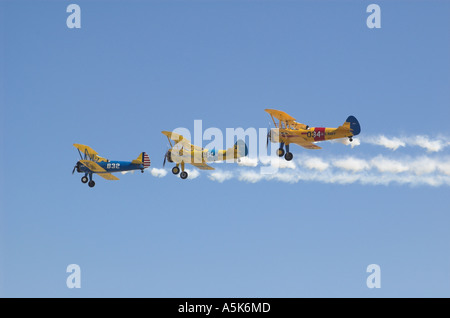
{"x":142,"y":159}
{"x":354,"y":125}
{"x":146,"y":160}
{"x":241,"y":148}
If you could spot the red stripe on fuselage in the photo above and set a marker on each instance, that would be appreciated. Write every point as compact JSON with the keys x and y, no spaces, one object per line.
{"x":319,"y":133}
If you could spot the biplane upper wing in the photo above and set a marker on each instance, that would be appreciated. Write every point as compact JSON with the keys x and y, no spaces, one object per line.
{"x":90,"y":152}
{"x":179,"y":139}
{"x":306,"y":144}
{"x":85,"y":149}
{"x":282,"y":116}
{"x":175,"y":137}
{"x":202,"y":166}
{"x":108,"y":176}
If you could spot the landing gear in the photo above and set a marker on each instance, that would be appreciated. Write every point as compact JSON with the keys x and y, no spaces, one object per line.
{"x":142,"y":170}
{"x":175,"y":170}
{"x":91,"y":182}
{"x":84,"y":179}
{"x":183,"y":175}
{"x":350,"y":139}
{"x":288,"y":156}
{"x":280,"y":152}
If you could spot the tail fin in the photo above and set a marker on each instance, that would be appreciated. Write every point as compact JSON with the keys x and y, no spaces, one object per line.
{"x":352,"y":124}
{"x":142,"y":159}
{"x":240,"y":148}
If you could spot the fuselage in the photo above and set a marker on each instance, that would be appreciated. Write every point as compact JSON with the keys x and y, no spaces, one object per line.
{"x":312,"y":134}
{"x":201,"y":155}
{"x":112,"y":166}
{"x":196,"y":156}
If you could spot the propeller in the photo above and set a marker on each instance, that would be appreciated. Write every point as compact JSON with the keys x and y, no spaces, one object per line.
{"x":269,"y":136}
{"x":76,"y":167}
{"x":165,"y":157}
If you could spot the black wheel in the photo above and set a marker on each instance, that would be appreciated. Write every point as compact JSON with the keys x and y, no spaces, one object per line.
{"x":175,"y":170}
{"x":280,"y":152}
{"x":142,"y":170}
{"x":184,"y":175}
{"x":84,"y":179}
{"x":288,"y":156}
{"x":91,"y":183}
{"x":350,"y":139}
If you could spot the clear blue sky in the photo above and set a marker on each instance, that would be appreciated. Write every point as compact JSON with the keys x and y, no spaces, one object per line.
{"x":138,"y":67}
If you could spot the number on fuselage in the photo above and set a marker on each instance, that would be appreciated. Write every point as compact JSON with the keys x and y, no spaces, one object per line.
{"x":318,"y":134}
{"x":113,"y":166}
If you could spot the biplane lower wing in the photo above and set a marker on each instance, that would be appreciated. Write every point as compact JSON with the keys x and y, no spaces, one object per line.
{"x":202,"y":166}
{"x":306,"y":144}
{"x":107,"y":176}
{"x":94,"y":167}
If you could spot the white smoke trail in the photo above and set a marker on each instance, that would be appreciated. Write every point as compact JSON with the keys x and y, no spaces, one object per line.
{"x":379,"y":170}
{"x":315,"y":163}
{"x":220,"y":176}
{"x":434,"y":144}
{"x":356,"y":142}
{"x":159,"y":173}
{"x":352,"y":164}
{"x":248,"y":162}
{"x":192,"y":174}
{"x":390,"y":143}
{"x":388,"y":165}
{"x":125,"y":172}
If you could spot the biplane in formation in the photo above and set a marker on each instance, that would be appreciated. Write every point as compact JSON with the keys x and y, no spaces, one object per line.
{"x":182,"y":152}
{"x":288,"y":131}
{"x":91,"y":163}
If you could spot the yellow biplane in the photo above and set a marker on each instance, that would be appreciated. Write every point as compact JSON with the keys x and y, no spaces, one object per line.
{"x":183,"y":152}
{"x":289,"y":131}
{"x":91,"y":163}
